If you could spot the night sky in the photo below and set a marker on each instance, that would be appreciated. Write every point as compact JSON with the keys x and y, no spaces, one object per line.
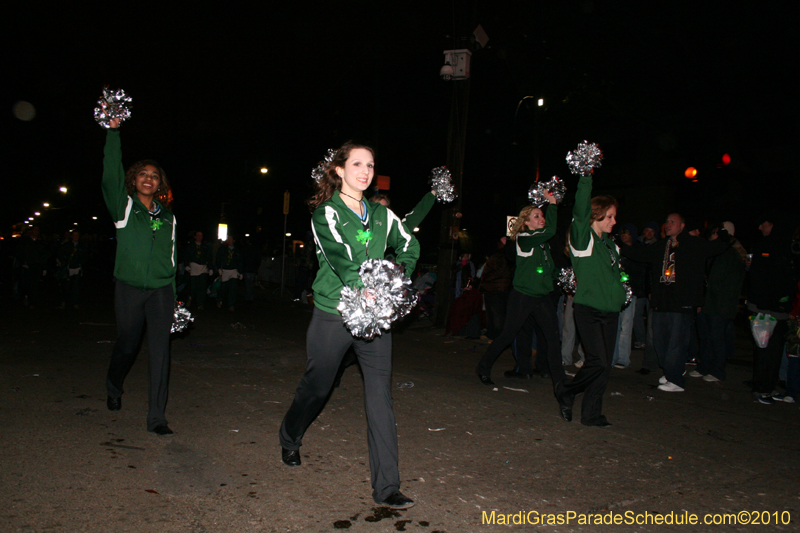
{"x":219,"y":92}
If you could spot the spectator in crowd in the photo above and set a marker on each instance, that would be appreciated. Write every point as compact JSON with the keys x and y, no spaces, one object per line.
{"x":627,"y":235}
{"x":198,"y":261}
{"x":229,"y":265}
{"x":770,"y":292}
{"x":495,"y":285}
{"x":679,"y":261}
{"x":72,"y":256}
{"x":32,"y":256}
{"x":724,"y":284}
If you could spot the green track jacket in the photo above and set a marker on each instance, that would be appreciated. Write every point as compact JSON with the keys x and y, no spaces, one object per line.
{"x":595,"y":262}
{"x":340,"y":254}
{"x":534,"y":253}
{"x":146,"y":258}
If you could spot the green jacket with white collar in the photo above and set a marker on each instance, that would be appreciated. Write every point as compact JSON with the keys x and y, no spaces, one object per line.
{"x":340,"y":252}
{"x":146,"y":250}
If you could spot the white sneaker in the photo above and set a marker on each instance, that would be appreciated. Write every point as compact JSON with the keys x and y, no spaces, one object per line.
{"x":710,"y":378}
{"x":663,"y":379}
{"x":695,"y":374}
{"x":670,"y":387}
{"x":578,"y":364}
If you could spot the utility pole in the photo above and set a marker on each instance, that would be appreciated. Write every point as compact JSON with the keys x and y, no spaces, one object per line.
{"x":458,"y":60}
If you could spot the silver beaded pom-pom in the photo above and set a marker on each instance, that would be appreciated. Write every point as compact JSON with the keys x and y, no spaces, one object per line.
{"x":566,"y":281}
{"x":538,"y":191}
{"x":387,"y":295}
{"x":319,"y":170}
{"x":113,"y":104}
{"x":181,"y":318}
{"x":442,"y":185}
{"x":585,"y":158}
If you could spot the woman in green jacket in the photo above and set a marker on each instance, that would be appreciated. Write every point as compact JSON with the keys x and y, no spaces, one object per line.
{"x":347,"y":231}
{"x":144,"y":273}
{"x":599,"y":297}
{"x":530,"y":306}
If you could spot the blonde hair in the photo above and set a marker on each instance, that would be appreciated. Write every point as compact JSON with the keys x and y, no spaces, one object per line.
{"x":519,"y":224}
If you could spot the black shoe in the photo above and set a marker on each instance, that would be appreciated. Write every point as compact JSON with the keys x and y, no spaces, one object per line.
{"x":643,"y":371}
{"x":541,"y":374}
{"x":692,"y":361}
{"x":565,"y":402}
{"x":397,"y":500}
{"x":114,"y":404}
{"x":290,"y":457}
{"x":516,"y":374}
{"x":486,"y":380}
{"x":162,"y":430}
{"x":599,"y":421}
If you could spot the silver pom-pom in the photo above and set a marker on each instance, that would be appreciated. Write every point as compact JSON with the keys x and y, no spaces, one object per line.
{"x":628,"y":293}
{"x":319,"y":170}
{"x":538,"y":191}
{"x":442,"y":185}
{"x":566,"y":281}
{"x":585,"y":159}
{"x":113,"y":104}
{"x":387,"y":295}
{"x":181,"y":318}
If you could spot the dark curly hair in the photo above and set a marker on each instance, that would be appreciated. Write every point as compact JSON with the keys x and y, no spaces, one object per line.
{"x":330,"y":180}
{"x":164,"y":192}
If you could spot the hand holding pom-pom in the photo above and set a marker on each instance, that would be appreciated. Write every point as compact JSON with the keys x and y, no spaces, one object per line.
{"x":585,"y":158}
{"x":442,"y":184}
{"x":386,"y":296}
{"x":112,"y":105}
{"x":539,"y":191}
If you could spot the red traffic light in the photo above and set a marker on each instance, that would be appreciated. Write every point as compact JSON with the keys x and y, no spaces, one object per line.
{"x":726,"y":159}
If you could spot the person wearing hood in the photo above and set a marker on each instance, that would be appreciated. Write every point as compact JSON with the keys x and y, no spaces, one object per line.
{"x":770,"y":292}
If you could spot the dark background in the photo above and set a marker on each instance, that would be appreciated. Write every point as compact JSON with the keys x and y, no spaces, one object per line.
{"x":219,"y":92}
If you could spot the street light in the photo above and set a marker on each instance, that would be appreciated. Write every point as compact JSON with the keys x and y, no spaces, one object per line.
{"x":45,"y":204}
{"x":63,"y":189}
{"x":36,"y":214}
{"x":264,"y":170}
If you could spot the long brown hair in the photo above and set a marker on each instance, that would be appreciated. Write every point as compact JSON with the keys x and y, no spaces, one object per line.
{"x":330,"y":180}
{"x":601,"y":205}
{"x":164,"y":192}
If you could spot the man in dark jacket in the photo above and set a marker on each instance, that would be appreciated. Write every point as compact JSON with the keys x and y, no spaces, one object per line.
{"x":678,"y":267}
{"x":725,"y":278}
{"x":771,"y":289}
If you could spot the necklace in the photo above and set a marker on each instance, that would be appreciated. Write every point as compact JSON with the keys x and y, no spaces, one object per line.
{"x":357,"y":200}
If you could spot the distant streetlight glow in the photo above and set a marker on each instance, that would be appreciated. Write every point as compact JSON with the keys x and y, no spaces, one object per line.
{"x":540,"y":102}
{"x":30,"y":218}
{"x":416,"y":229}
{"x":63,"y":189}
{"x":94,"y":218}
{"x":36,"y":214}
{"x":246,"y":234}
{"x":690,"y":173}
{"x":288,"y":234}
{"x":45,"y":204}
{"x":264,"y":170}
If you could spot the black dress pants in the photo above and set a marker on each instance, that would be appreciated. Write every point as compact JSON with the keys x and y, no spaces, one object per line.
{"x":133,"y":308}
{"x":598,"y":331}
{"x":327,"y":340}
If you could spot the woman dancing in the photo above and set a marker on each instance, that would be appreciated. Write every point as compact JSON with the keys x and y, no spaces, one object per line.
{"x":599,"y":296}
{"x":144,"y":273}
{"x":530,"y":305}
{"x":349,"y":230}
